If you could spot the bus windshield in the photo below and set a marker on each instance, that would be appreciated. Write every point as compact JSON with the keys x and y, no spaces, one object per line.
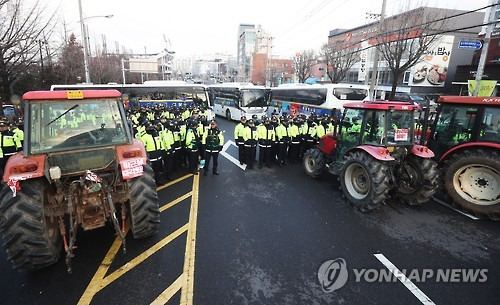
{"x":352,"y":94}
{"x":63,"y":125}
{"x":253,"y":98}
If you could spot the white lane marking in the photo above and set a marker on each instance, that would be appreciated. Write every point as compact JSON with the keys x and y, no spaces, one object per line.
{"x":424,"y":299}
{"x":456,"y":210}
{"x":229,"y":157}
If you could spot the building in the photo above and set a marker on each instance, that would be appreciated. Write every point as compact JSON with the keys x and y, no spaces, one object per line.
{"x":272,"y":72}
{"x":251,"y":39}
{"x":434,"y":73}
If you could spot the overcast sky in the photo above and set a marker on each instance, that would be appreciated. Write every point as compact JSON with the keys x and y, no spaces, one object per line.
{"x":201,"y":27}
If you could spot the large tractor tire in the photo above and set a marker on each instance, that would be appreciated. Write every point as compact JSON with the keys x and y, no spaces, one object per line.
{"x":419,"y":180}
{"x":31,"y":240}
{"x":365,"y":181}
{"x":144,"y":206}
{"x":314,"y":162}
{"x":472,"y":180}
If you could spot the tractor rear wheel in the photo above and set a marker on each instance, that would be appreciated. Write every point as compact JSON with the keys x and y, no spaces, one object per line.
{"x":417,"y":180}
{"x":144,"y":206}
{"x":31,"y":240}
{"x":472,"y":180}
{"x":314,"y":162}
{"x":365,"y":181}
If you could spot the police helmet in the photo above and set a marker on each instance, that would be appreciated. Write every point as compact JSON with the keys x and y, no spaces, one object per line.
{"x":243,"y":118}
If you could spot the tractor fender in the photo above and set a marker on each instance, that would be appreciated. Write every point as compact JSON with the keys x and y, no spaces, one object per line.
{"x":18,"y":167}
{"x":422,"y":151}
{"x":470,"y":144}
{"x":132,"y":159}
{"x":379,"y":153}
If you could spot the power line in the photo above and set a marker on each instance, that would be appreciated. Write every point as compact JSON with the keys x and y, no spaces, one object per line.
{"x":319,"y":19}
{"x":307,"y":16}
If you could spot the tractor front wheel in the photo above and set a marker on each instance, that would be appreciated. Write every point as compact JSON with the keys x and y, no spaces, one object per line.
{"x":31,"y":240}
{"x":144,"y":206}
{"x":314,"y":162}
{"x":472,"y":180}
{"x":417,"y":180}
{"x":365,"y":181}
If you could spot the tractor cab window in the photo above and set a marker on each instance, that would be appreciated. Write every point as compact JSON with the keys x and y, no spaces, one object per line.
{"x":400,"y":128}
{"x":63,"y":125}
{"x":455,"y":124}
{"x":351,"y":128}
{"x":374,"y":129}
{"x":490,"y":127}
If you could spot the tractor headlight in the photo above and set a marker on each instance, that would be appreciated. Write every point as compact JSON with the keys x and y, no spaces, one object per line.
{"x":55,"y":173}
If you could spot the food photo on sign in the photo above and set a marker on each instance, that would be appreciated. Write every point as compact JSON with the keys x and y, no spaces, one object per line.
{"x":432,"y":69}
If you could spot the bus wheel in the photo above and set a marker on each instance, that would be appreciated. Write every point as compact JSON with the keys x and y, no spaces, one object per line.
{"x":228,"y":115}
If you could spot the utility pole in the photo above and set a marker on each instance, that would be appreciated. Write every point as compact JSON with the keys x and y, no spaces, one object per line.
{"x":84,"y":41}
{"x":376,"y":57}
{"x":486,"y":44}
{"x":123,"y":70}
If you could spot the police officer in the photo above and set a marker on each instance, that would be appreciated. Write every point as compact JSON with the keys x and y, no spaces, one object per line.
{"x":192,"y":143}
{"x":251,"y":137}
{"x":283,"y":139}
{"x":167,"y":138}
{"x":7,"y":143}
{"x":153,"y":146}
{"x":238,"y":137}
{"x":274,"y":146}
{"x":295,"y":137}
{"x":266,"y":138}
{"x":213,"y":140}
{"x":18,"y":136}
{"x":310,"y":135}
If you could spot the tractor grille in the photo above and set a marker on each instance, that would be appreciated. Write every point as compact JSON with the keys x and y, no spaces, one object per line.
{"x":80,"y":161}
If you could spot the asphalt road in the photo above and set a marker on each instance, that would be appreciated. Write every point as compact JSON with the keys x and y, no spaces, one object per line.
{"x":259,"y":238}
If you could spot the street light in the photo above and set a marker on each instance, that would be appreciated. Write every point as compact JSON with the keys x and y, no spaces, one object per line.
{"x":84,"y":40}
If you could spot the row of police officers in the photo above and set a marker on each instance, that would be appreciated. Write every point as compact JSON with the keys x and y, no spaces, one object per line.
{"x":280,"y":140}
{"x":178,"y":136}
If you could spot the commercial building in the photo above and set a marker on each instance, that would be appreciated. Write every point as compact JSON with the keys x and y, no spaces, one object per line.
{"x":271,"y":71}
{"x":436,"y":70}
{"x":251,"y":39}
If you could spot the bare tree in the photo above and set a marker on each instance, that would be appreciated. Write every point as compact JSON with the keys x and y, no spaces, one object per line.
{"x":405,"y":38}
{"x":339,"y":58}
{"x":21,"y":30}
{"x":303,"y":63}
{"x":71,"y":61}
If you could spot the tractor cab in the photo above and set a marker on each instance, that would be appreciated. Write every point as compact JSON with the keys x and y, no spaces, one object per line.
{"x":378,"y":124}
{"x":465,"y":136}
{"x":462,"y":120}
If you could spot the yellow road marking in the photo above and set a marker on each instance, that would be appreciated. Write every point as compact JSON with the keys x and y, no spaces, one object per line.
{"x":140,"y":258}
{"x":94,"y":284}
{"x":176,"y":201}
{"x":189,"y":258}
{"x":168,"y":293}
{"x":173,"y":182}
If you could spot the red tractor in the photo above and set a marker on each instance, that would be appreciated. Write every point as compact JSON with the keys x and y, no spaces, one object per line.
{"x":465,"y":136}
{"x":374,"y":154}
{"x":80,"y":167}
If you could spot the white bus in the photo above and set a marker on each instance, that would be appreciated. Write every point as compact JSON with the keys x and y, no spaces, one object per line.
{"x":168,"y":93}
{"x":297,"y":99}
{"x":233,"y":100}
